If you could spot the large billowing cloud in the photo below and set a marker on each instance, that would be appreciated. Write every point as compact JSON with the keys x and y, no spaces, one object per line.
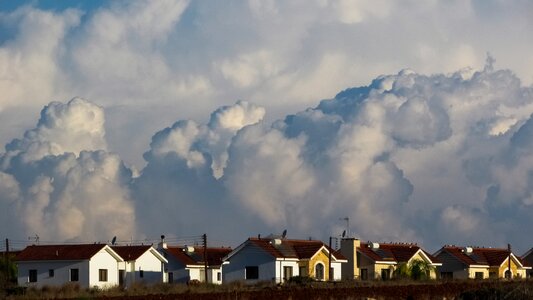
{"x":169,"y":59}
{"x":59,"y":183}
{"x":441,"y":158}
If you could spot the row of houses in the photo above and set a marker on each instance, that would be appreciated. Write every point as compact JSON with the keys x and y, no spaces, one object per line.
{"x":275,"y":259}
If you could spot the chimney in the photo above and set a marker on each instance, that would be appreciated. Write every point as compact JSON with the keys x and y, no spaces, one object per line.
{"x":350,"y":270}
{"x":162,"y":244}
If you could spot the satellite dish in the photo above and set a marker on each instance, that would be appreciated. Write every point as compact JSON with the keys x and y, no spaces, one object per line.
{"x":284,"y":234}
{"x":114,"y":240}
{"x":344,"y":233}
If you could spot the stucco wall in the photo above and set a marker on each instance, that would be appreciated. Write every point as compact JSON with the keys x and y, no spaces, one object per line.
{"x":103,"y":260}
{"x":61,"y":273}
{"x":249,"y":255}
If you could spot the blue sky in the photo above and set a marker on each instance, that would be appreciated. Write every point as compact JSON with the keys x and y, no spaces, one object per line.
{"x":85,"y":5}
{"x":175,"y":109}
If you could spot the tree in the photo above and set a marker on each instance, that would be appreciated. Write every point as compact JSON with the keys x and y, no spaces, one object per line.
{"x":9,"y":266}
{"x":402,"y":271}
{"x":415,"y":270}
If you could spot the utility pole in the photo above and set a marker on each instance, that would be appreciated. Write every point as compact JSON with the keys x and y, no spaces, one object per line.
{"x":329,"y":260}
{"x":204,"y":238}
{"x":509,"y":261}
{"x":6,"y":257}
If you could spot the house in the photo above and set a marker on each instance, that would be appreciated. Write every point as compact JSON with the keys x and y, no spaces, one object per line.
{"x":186,"y":263}
{"x":141,"y":264}
{"x":89,"y":265}
{"x":278,"y":259}
{"x":479,"y":263}
{"x":527,"y":259}
{"x":380,"y":260}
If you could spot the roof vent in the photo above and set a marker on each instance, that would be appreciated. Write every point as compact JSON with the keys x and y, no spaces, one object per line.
{"x":188,"y":249}
{"x":373,"y":245}
{"x":276,"y":242}
{"x":468,"y":250}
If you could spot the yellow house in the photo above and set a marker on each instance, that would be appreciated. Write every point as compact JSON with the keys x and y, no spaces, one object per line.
{"x":479,"y":263}
{"x":380,"y":260}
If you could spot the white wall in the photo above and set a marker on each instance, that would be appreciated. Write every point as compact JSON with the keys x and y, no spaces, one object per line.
{"x":249,"y":255}
{"x":285,"y":263}
{"x":103,"y":260}
{"x":337,"y":270}
{"x":61,"y":272}
{"x":152,"y":267}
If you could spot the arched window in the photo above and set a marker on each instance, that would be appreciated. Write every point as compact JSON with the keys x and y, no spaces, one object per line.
{"x":319,"y":271}
{"x":508,"y":274}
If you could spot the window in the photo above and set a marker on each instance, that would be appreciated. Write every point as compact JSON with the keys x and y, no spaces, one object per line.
{"x":51,"y":273}
{"x":32,"y":275}
{"x":508,"y":274}
{"x":251,"y":272}
{"x":493,"y":275}
{"x":385,"y":274}
{"x":364,"y":274}
{"x":303,"y":271}
{"x":219,"y":276}
{"x":331,"y":273}
{"x":141,"y":273}
{"x":287,"y":272}
{"x":74,"y":275}
{"x":102,"y":275}
{"x":319,"y":271}
{"x":446,"y":275}
{"x":479,"y":275}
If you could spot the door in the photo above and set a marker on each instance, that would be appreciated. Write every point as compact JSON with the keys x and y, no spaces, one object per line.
{"x":121,"y":274}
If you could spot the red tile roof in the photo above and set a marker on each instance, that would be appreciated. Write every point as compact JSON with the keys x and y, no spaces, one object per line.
{"x":393,"y":252}
{"x":301,"y":249}
{"x":479,"y":256}
{"x":59,"y":252}
{"x":196,"y":257}
{"x":129,"y":253}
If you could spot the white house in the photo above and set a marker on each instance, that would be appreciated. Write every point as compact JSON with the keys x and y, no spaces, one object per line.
{"x":141,"y":264}
{"x":186,"y":263}
{"x":89,"y":265}
{"x":277,"y":260}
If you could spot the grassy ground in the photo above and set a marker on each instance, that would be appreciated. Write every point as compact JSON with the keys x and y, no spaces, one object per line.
{"x":307,"y":290}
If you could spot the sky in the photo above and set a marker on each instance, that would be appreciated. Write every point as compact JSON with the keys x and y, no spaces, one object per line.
{"x":236,"y":118}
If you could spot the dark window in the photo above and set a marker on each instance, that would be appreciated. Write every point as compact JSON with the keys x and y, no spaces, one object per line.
{"x":251,"y":272}
{"x":51,"y":273}
{"x":385,"y":274}
{"x":331,"y":274}
{"x":141,"y":273}
{"x":319,"y":271}
{"x":102,"y":274}
{"x":219,"y":276}
{"x":287,"y":272}
{"x":446,"y":275}
{"x":364,"y":274}
{"x":479,"y":275}
{"x":508,"y":274}
{"x":170,"y":277}
{"x":32,"y":276}
{"x":303,"y":271}
{"x":493,"y":275}
{"x":74,"y":275}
